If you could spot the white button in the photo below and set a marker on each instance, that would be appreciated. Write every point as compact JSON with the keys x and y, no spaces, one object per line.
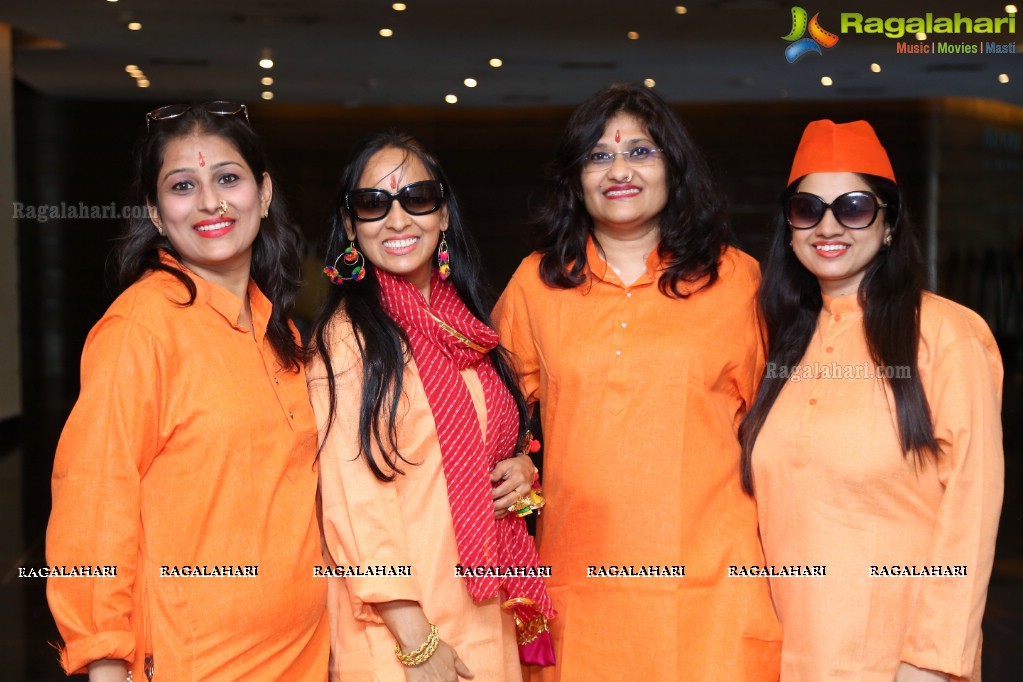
{"x":623,"y":325}
{"x":618,"y":352}
{"x":628,"y":295}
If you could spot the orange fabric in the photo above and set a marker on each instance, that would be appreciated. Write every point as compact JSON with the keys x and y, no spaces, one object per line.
{"x":189,"y":445}
{"x":834,"y":489}
{"x":640,"y":398}
{"x":406,"y":522}
{"x":828,"y":147}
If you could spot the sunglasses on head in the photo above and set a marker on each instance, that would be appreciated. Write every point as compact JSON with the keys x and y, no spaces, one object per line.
{"x":218,"y":108}
{"x":853,"y":210}
{"x":419,"y":198}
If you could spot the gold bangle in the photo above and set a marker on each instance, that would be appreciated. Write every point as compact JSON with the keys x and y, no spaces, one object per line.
{"x":423,"y":653}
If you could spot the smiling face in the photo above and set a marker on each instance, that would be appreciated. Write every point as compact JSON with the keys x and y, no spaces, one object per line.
{"x":836,"y":255}
{"x":209,"y":205}
{"x":625,"y":201}
{"x":400,"y":243}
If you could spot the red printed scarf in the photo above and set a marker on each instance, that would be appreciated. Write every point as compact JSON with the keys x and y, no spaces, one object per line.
{"x":467,"y":458}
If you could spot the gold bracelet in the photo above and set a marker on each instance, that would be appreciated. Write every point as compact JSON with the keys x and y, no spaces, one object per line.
{"x":423,"y":653}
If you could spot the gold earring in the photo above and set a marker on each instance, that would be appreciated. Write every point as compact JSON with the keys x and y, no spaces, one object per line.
{"x":887,"y":239}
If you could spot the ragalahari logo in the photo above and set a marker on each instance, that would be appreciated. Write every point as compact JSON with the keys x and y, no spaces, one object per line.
{"x":818,"y":36}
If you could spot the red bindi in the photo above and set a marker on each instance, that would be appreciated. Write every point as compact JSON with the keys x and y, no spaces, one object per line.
{"x":394,"y":183}
{"x":618,"y":136}
{"x":202,"y":160}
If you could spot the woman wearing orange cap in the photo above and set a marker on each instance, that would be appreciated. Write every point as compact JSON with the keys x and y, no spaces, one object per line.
{"x":874,"y":446}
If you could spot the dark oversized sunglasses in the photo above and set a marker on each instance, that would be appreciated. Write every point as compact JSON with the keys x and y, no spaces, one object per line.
{"x":419,"y":198}
{"x":218,"y":108}
{"x":854,"y":210}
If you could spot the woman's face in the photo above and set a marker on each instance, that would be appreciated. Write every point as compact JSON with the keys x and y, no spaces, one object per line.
{"x":624,"y":200}
{"x":836,"y":255}
{"x":199,"y":172}
{"x":400,"y":243}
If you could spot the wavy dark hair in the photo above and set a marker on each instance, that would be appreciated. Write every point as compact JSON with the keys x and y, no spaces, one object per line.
{"x":890,"y":295}
{"x":383,"y":345}
{"x":276,"y":253}
{"x":693,"y":226}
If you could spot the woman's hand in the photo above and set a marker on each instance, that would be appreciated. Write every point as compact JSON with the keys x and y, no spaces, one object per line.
{"x":512,"y":478}
{"x":443,"y":666}
{"x":108,"y":670}
{"x":911,"y":673}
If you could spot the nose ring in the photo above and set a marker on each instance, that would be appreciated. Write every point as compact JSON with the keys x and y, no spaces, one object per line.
{"x":223,"y":207}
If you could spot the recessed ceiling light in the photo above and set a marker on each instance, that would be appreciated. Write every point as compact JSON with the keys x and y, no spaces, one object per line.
{"x":266,"y":63}
{"x":921,"y":36}
{"x":386,"y":32}
{"x":680,"y":9}
{"x":399,"y":7}
{"x":1010,"y":9}
{"x":266,"y":80}
{"x":1003,"y":78}
{"x":142,"y":83}
{"x":826,"y":81}
{"x":649,"y":82}
{"x":496,"y":63}
{"x":132,"y":68}
{"x":470,"y":82}
{"x":450,"y":99}
{"x":267,"y":95}
{"x":632,"y":35}
{"x":875,"y":67}
{"x":134,"y":26}
{"x":138,"y":74}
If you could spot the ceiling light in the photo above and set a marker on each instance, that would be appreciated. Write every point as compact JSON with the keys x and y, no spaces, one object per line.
{"x":649,"y":82}
{"x":386,"y":32}
{"x":875,"y":67}
{"x":826,"y":81}
{"x":921,"y":36}
{"x":266,"y":80}
{"x":470,"y":82}
{"x":1010,"y":9}
{"x":111,"y":0}
{"x":680,"y":9}
{"x":132,"y":68}
{"x":399,"y":7}
{"x":632,"y":35}
{"x":496,"y":63}
{"x":267,"y":95}
{"x":142,"y":83}
{"x":138,"y":74}
{"x":1003,"y":78}
{"x":450,"y":99}
{"x":266,"y":63}
{"x":134,"y":26}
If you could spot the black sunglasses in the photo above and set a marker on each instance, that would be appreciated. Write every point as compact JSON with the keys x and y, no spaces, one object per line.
{"x":419,"y":198}
{"x":218,"y":108}
{"x":853,"y":210}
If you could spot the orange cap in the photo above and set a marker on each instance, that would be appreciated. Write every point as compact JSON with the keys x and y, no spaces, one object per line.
{"x":829,"y":147}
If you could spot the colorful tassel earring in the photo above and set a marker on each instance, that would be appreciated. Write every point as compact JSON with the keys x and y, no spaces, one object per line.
{"x":442,"y":258}
{"x":353,"y":260}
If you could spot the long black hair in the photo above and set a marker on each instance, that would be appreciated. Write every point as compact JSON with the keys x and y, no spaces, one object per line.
{"x":383,"y":345}
{"x":693,"y":226}
{"x":276,"y":253}
{"x":890,"y":295}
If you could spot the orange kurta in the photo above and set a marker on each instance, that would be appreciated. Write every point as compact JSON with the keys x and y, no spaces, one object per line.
{"x":641,"y":396}
{"x":402,"y":523}
{"x":189,"y":446}
{"x":835,"y":490}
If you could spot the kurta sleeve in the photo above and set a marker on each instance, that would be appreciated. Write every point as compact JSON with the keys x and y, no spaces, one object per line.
{"x":110,"y":437}
{"x":363,"y":521}
{"x":755,"y":359}
{"x":512,"y":320}
{"x":944,"y":627}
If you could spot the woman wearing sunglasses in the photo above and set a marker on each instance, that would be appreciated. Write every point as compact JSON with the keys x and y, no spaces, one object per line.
{"x":186,"y":472}
{"x":874,"y":446}
{"x":634,"y":327}
{"x":419,"y":417}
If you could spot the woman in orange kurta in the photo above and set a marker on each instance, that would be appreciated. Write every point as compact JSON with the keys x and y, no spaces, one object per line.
{"x":189,"y":460}
{"x":419,"y":415}
{"x":874,"y":446}
{"x":634,"y":327}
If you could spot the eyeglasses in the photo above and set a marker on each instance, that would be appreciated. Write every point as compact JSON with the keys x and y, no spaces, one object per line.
{"x":854,"y":210}
{"x":637,"y":156}
{"x":419,"y":198}
{"x":218,"y":108}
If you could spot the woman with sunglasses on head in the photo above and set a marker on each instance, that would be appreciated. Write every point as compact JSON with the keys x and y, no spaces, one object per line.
{"x":419,"y":417}
{"x":634,"y":327}
{"x":188,"y":463}
{"x":874,"y":446}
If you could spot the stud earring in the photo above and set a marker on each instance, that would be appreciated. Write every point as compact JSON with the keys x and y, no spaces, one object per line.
{"x":353,"y":261}
{"x":443,"y":258}
{"x":160,"y":230}
{"x":887,"y":239}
